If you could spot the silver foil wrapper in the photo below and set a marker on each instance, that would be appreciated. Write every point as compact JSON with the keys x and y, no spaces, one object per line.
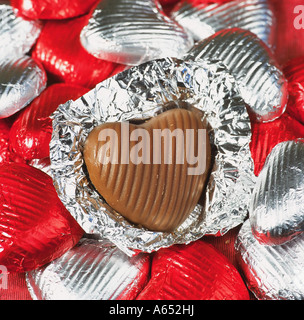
{"x":21,"y":81}
{"x":140,"y":93}
{"x":276,"y":211}
{"x":92,"y":270}
{"x":17,"y":35}
{"x":132,"y":32}
{"x":272,"y":272}
{"x":203,"y":20}
{"x":261,"y":82}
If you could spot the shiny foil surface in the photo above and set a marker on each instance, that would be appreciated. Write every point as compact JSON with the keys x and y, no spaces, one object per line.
{"x":92,"y":270}
{"x":132,"y":32}
{"x":140,"y":93}
{"x":272,"y":272}
{"x":262,"y":84}
{"x":21,"y":81}
{"x":17,"y":35}
{"x":276,"y":211}
{"x":203,"y":20}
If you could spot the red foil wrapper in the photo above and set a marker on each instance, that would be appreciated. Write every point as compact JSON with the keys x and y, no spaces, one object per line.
{"x":4,"y":140}
{"x":31,"y":133}
{"x":59,"y":50}
{"x":35,"y":227}
{"x":53,"y":9}
{"x":265,"y":136}
{"x":193,"y":272}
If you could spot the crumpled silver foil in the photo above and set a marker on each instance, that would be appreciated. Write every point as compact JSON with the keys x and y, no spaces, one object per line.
{"x":21,"y":80}
{"x":272,"y":272}
{"x":203,"y":20}
{"x":261,"y":82}
{"x":17,"y":35}
{"x":143,"y":92}
{"x":92,"y":270}
{"x":132,"y":32}
{"x":276,"y":212}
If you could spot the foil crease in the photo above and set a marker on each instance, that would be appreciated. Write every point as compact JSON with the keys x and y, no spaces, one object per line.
{"x":203,"y":20}
{"x":261,"y":82}
{"x":132,"y":32}
{"x":92,"y":270}
{"x":140,"y":93}
{"x":17,"y":35}
{"x":272,"y":272}
{"x":276,"y":211}
{"x":21,"y":81}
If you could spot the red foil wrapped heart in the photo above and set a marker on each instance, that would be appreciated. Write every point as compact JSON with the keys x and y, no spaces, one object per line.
{"x":265,"y":136}
{"x":4,"y":140}
{"x":31,"y":133}
{"x":35,"y":227}
{"x":50,"y":9}
{"x":193,"y":272}
{"x":59,"y":50}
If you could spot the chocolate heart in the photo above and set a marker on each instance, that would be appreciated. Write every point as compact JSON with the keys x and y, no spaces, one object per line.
{"x":133,"y":32}
{"x":59,"y":50}
{"x":46,"y":9}
{"x":272,"y":272}
{"x":202,"y":19}
{"x":17,"y":35}
{"x":261,"y":82}
{"x":31,"y":132}
{"x":92,"y":270}
{"x":276,"y":211}
{"x":158,"y":196}
{"x":35,"y":227}
{"x":193,"y":272}
{"x":21,"y":81}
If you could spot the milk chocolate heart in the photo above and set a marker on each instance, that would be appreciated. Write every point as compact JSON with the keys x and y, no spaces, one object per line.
{"x":150,"y":185}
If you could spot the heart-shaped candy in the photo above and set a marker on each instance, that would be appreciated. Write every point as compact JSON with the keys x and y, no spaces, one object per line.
{"x":17,"y":35}
{"x":59,"y":50}
{"x":262,"y":84}
{"x":150,"y":183}
{"x":46,"y":9}
{"x":133,"y":32}
{"x":31,"y":132}
{"x":202,"y":19}
{"x":193,"y":272}
{"x":35,"y":227}
{"x":265,"y":136}
{"x":21,"y":81}
{"x":92,"y":270}
{"x":272,"y":272}
{"x":276,"y":211}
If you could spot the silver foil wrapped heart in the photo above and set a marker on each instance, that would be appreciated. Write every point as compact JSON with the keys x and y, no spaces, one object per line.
{"x":21,"y":81}
{"x":17,"y":35}
{"x":141,"y":93}
{"x":261,"y":82}
{"x":132,"y":32}
{"x":203,"y":20}
{"x":92,"y":270}
{"x":276,"y":211}
{"x":272,"y":272}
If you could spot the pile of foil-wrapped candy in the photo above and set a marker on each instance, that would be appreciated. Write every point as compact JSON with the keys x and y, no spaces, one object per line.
{"x":67,"y":68}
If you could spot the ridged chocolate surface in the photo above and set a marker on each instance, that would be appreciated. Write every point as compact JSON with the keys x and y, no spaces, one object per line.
{"x":157,"y":196}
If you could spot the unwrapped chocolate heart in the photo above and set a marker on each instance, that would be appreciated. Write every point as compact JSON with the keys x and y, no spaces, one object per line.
{"x":92,"y":270}
{"x":202,"y":19}
{"x":21,"y":81}
{"x":261,"y":82}
{"x":31,"y":132}
{"x":35,"y":227}
{"x":133,"y":32}
{"x":276,"y":211}
{"x":272,"y":272}
{"x":193,"y":272}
